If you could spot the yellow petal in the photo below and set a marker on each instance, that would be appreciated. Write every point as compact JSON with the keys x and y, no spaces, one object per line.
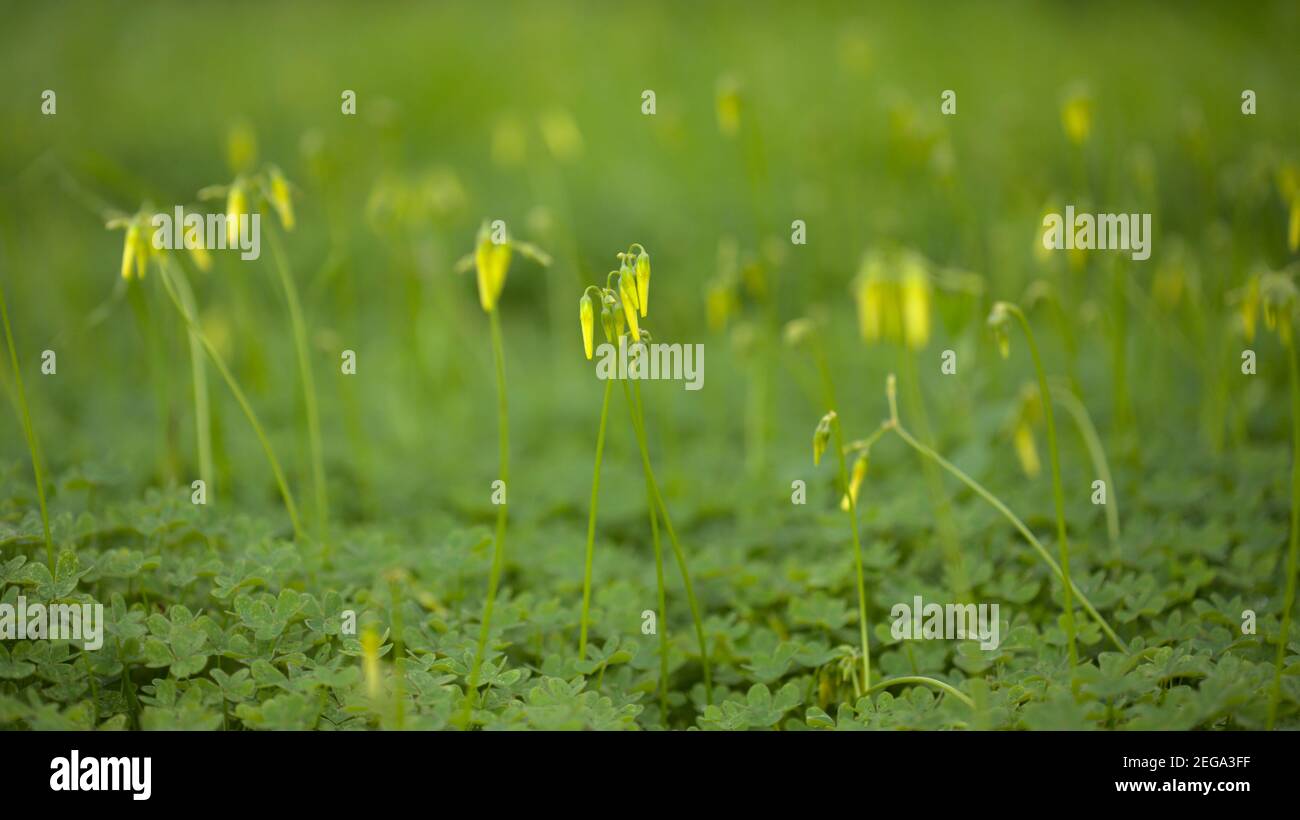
{"x":1026,"y":450}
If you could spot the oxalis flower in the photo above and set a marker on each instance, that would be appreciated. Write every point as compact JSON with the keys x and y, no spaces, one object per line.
{"x":493,"y":251}
{"x":892,"y":294}
{"x":135,"y":248}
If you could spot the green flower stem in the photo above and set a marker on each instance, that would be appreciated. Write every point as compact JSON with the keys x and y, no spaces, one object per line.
{"x":828,"y":388}
{"x":1064,"y":397}
{"x":591,"y":523}
{"x":943,"y":510}
{"x":499,"y":542}
{"x":28,"y":431}
{"x":308,"y":385}
{"x":193,"y":325}
{"x":202,"y":407}
{"x":1057,"y":492}
{"x":997,"y":504}
{"x":921,"y":679}
{"x":661,"y":626}
{"x":1293,"y":547}
{"x":638,"y":423}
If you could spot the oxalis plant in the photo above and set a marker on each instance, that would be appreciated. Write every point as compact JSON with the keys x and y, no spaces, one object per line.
{"x":1276,"y":292}
{"x":805,"y":331}
{"x":491,"y":262}
{"x":29,"y":432}
{"x":244,"y":196}
{"x":137,"y":255}
{"x":624,"y":301}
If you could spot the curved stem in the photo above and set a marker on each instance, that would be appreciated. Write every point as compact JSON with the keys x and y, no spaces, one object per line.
{"x":638,"y":423}
{"x":244,"y":405}
{"x":661,"y":622}
{"x":28,"y":431}
{"x":591,"y":523}
{"x":1057,"y":492}
{"x":828,"y":388}
{"x":202,"y":407}
{"x":1293,"y":548}
{"x":1088,"y":432}
{"x":1024,"y":531}
{"x":499,"y":548}
{"x":921,"y":679}
{"x":308,"y":385}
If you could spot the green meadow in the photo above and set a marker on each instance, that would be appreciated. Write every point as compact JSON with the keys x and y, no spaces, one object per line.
{"x":372,"y":471}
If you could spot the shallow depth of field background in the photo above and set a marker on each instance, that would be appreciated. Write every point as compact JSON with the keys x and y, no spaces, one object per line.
{"x":839,"y":125}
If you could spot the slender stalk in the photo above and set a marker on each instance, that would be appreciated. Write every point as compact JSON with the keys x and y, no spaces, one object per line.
{"x":308,"y":385}
{"x":1024,"y":531}
{"x":193,"y":325}
{"x":202,"y":407}
{"x":828,"y":388}
{"x":1092,"y":441}
{"x":28,"y":431}
{"x":1057,"y":492}
{"x":921,"y":679}
{"x":661,"y":622}
{"x":499,"y":547}
{"x":1293,"y":547}
{"x":942,"y":509}
{"x":638,"y":423}
{"x":591,"y":524}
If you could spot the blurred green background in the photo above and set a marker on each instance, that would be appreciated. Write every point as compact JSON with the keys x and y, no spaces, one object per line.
{"x":837,"y":123}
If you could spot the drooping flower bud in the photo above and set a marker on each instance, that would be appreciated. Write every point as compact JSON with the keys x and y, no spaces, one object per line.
{"x":1026,"y":450}
{"x":129,"y":249}
{"x":643,"y":280}
{"x":491,"y":262}
{"x":627,"y":295}
{"x":236,"y":207}
{"x":850,"y":500}
{"x":586,"y":315}
{"x":821,"y":436}
{"x":280,"y":198}
{"x":915,"y":294}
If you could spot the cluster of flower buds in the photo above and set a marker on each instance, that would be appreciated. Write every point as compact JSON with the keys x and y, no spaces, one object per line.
{"x":624,"y":300}
{"x":892,"y":292}
{"x":1275,"y":292}
{"x":246,"y":193}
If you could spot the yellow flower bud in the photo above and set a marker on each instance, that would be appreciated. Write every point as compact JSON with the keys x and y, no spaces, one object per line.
{"x":1026,"y":450}
{"x":1076,"y":118}
{"x":236,"y":206}
{"x":850,"y":500}
{"x":281,"y":199}
{"x":608,"y":324}
{"x":821,"y":436}
{"x":1249,"y":308}
{"x":915,"y":295}
{"x":627,"y":295}
{"x":491,"y":262}
{"x":129,"y":249}
{"x":586,"y":315}
{"x":643,"y":280}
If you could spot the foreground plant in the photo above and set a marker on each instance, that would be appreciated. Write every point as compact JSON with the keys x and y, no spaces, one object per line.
{"x":137,"y":255}
{"x":491,"y":261}
{"x":999,"y":318}
{"x":1278,"y":295}
{"x":29,"y":433}
{"x":245,"y":197}
{"x":624,"y":300}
